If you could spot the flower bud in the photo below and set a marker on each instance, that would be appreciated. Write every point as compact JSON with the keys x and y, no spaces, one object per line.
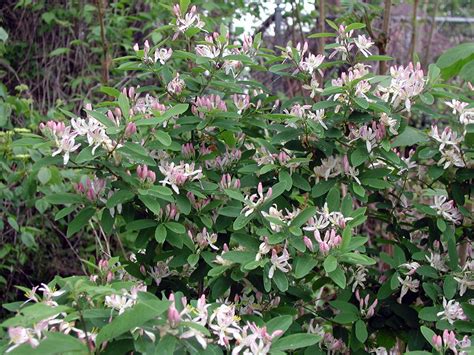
{"x":131,"y":129}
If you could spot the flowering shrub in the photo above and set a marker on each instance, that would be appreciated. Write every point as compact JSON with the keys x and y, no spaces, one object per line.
{"x":326,"y":222}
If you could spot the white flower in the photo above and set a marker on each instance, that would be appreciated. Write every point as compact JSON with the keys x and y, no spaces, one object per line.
{"x":276,"y":215}
{"x":447,"y":138}
{"x":330,"y":167}
{"x":311,"y":63}
{"x":466,"y":115}
{"x":437,"y":262}
{"x":407,"y":284}
{"x":410,"y":267}
{"x":279,"y":262}
{"x":446,"y":209}
{"x":313,"y":86}
{"x":389,"y":122}
{"x":119,"y":303}
{"x":452,"y":311}
{"x":406,"y":83}
{"x":363,"y":43}
{"x":66,"y":145}
{"x":223,"y":323}
{"x":254,"y":201}
{"x":178,"y":175}
{"x":464,"y":283}
{"x":318,"y":117}
{"x":163,"y":55}
{"x":451,"y":157}
{"x":359,"y":278}
{"x":263,"y":249}
{"x":20,"y":335}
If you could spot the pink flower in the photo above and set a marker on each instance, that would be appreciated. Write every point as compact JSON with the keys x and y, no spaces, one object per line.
{"x":177,"y":85}
{"x":331,"y":240}
{"x":20,"y":335}
{"x":254,"y":201}
{"x":208,"y":103}
{"x":146,"y":175}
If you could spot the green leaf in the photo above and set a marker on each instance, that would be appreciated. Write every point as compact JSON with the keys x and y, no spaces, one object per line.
{"x":241,"y":221}
{"x":64,"y":212}
{"x":166,"y":345}
{"x":3,"y":35}
{"x":359,"y":156}
{"x":59,"y":51}
{"x":99,"y":116}
{"x":338,"y":277}
{"x":303,"y":265}
{"x":174,"y":111}
{"x":454,"y":59}
{"x":235,"y":195}
{"x":124,"y":105}
{"x":33,"y":314}
{"x":110,"y":91}
{"x":361,"y":331}
{"x":44,"y":175}
{"x":429,"y":314}
{"x":356,"y":258}
{"x":160,"y":233}
{"x":137,"y":316}
{"x":63,"y":199}
{"x":119,"y":197}
{"x":377,"y":58}
{"x":450,"y":287}
{"x":330,"y":263}
{"x":53,"y":343}
{"x":175,"y":227}
{"x":354,"y":26}
{"x":410,"y":136}
{"x":281,"y":281}
{"x":428,"y":334}
{"x":322,"y":35}
{"x":279,"y":323}
{"x":295,"y":341}
{"x":163,"y":137}
{"x":333,"y":199}
{"x":303,"y":216}
{"x":80,"y":221}
{"x":151,"y":203}
{"x":285,"y":177}
{"x":452,"y":251}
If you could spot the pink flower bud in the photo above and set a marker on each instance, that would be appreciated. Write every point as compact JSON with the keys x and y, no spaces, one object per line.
{"x":173,"y":315}
{"x":345,"y":164}
{"x":177,"y":10}
{"x":151,"y":177}
{"x":110,"y":276}
{"x":90,"y":194}
{"x":324,"y":247}
{"x":308,"y":243}
{"x":269,"y":192}
{"x":131,"y":129}
{"x":437,"y":342}
{"x":277,"y":333}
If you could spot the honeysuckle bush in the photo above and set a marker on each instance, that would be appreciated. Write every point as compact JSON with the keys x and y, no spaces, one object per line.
{"x":330,"y":222}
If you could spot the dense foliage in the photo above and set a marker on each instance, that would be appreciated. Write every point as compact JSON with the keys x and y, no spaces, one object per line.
{"x":329,"y":222}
